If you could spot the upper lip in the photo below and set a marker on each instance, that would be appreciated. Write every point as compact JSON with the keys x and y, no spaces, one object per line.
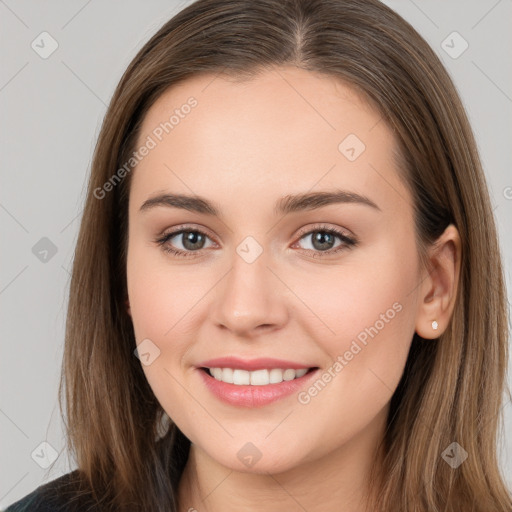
{"x":251,"y":364}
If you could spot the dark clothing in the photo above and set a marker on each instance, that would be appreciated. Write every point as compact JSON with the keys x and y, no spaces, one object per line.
{"x":59,"y":495}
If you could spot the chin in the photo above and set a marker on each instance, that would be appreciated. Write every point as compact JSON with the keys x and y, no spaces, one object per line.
{"x":253,"y":458}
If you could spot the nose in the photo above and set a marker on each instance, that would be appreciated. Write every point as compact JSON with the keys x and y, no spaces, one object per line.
{"x":250,"y":299}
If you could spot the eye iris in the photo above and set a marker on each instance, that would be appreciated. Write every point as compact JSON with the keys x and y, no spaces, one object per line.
{"x":319,"y":240}
{"x":191,"y":238}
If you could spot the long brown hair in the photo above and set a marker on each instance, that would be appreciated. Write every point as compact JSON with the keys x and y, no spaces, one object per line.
{"x":452,"y":387}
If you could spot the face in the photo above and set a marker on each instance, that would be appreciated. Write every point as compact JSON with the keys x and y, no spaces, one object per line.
{"x":265,"y":280}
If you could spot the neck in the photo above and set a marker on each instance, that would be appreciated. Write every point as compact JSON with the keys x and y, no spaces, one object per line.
{"x":339,"y":481}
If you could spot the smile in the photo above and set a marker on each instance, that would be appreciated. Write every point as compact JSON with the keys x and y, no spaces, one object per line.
{"x":253,"y":383}
{"x":256,"y":378}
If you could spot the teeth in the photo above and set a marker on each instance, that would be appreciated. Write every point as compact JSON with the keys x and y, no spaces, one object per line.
{"x":276,"y":376}
{"x":240,"y":377}
{"x":257,"y":377}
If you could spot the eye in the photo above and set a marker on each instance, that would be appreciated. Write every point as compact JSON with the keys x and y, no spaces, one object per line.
{"x":192,"y":240}
{"x":323,"y":239}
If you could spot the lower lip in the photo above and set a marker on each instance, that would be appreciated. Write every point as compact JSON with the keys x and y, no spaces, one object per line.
{"x":254,"y":396}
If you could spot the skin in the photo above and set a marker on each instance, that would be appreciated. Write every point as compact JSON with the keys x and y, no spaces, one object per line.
{"x":260,"y":140}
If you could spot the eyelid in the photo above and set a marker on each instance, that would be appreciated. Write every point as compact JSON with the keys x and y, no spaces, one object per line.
{"x":324,"y":227}
{"x":186,"y":227}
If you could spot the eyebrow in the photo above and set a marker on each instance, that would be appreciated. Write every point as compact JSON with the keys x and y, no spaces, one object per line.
{"x":285,"y":205}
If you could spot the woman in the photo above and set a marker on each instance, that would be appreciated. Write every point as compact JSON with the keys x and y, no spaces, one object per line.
{"x":287,"y":291}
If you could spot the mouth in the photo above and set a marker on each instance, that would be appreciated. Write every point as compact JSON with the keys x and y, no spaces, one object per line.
{"x":262,"y":377}
{"x":257,"y":383}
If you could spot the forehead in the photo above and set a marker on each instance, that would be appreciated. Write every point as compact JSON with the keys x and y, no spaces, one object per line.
{"x":284,"y":131}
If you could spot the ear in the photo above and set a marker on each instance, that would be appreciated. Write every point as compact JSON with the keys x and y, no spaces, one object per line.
{"x":438,"y":289}
{"x":127,"y":304}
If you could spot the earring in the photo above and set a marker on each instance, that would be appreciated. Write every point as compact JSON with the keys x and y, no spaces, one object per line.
{"x":435,"y":325}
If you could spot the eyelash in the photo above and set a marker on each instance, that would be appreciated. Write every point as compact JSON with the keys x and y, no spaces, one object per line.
{"x":348,"y":242}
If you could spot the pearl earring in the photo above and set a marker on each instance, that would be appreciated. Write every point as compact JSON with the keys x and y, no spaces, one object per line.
{"x":435,"y":325}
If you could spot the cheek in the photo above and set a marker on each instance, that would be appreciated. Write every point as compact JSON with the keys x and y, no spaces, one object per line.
{"x":366,"y":306}
{"x":161,"y":309}
{"x":360,"y":295}
{"x":165,"y":301}
{"x":368,"y":312}
{"x":372,"y":320}
{"x":161,"y":297}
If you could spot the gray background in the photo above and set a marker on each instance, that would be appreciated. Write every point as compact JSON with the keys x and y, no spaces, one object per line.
{"x":51,"y":111}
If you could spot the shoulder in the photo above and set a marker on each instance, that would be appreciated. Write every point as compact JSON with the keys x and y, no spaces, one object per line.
{"x":59,"y":495}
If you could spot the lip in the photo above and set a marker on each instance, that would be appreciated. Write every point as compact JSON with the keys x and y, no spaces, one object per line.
{"x":260,"y":363}
{"x":255,"y":396}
